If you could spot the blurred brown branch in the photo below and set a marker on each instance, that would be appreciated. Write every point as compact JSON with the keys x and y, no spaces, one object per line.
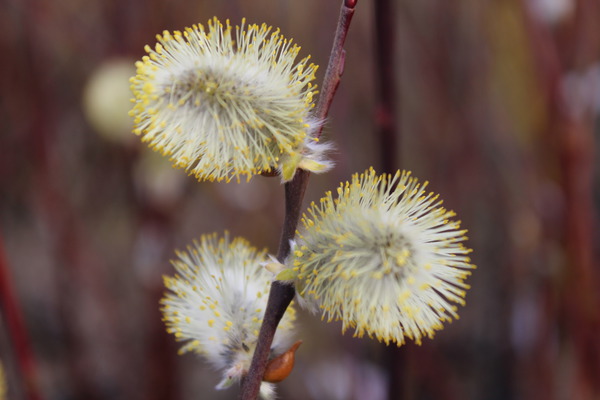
{"x":572,"y":140}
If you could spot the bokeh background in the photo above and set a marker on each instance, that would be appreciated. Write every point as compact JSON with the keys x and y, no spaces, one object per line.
{"x":495,"y":103}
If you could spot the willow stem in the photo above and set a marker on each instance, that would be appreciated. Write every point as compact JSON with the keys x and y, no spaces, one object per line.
{"x":281,"y":294}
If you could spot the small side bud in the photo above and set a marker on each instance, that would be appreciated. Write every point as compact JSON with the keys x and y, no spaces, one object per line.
{"x":289,"y":167}
{"x":274,"y":267}
{"x":286,"y":275}
{"x":280,"y":367}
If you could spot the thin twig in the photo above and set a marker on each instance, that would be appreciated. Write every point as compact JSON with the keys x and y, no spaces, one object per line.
{"x":281,"y":294}
{"x":387,"y":118}
{"x":9,"y":307}
{"x":335,"y":67}
{"x":387,"y":122}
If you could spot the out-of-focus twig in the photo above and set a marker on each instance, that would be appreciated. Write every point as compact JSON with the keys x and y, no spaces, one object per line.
{"x":386,"y":75}
{"x":574,"y":143}
{"x":9,"y":307}
{"x":281,"y":294}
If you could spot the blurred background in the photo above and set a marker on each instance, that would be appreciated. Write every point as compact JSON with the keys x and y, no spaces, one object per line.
{"x":496,"y":103}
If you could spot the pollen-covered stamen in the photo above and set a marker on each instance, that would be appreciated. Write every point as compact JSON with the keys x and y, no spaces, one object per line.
{"x":397,"y":255}
{"x":194,"y":88}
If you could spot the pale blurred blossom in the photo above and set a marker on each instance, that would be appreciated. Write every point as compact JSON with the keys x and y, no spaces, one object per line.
{"x":551,"y":12}
{"x":581,"y":91}
{"x":106,"y":100}
{"x":346,"y":379}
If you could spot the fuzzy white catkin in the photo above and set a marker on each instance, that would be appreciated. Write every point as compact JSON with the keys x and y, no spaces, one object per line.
{"x":216,"y":303}
{"x":384,"y":257}
{"x":224,"y":104}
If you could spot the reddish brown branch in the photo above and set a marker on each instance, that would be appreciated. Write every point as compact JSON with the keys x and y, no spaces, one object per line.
{"x":282,"y":294}
{"x":385,"y":79}
{"x":335,"y":67}
{"x":9,"y":306}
